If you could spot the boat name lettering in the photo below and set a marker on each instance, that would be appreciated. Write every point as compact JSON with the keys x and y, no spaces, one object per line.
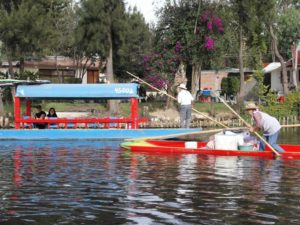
{"x":124,"y":90}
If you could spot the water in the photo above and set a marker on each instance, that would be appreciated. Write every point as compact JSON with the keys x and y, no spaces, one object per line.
{"x":91,"y":182}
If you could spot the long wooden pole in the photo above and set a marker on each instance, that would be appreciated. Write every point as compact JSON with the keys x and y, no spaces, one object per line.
{"x":290,"y":125}
{"x":248,"y":125}
{"x":170,"y":96}
{"x":176,"y":135}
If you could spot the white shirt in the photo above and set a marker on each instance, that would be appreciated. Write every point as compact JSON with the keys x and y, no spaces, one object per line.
{"x":269,"y":124}
{"x":185,"y":97}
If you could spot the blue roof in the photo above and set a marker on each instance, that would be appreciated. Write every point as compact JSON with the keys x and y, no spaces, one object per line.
{"x":79,"y":91}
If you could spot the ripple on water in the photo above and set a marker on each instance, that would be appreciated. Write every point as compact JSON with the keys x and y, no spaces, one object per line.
{"x":92,"y":183}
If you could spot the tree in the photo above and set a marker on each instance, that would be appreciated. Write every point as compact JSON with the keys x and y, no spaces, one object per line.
{"x":137,"y":43}
{"x":289,"y":34}
{"x":25,"y":28}
{"x":100,"y":33}
{"x":192,"y":25}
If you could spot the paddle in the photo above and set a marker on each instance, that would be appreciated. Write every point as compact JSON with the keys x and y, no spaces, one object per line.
{"x":290,"y":125}
{"x":170,"y":96}
{"x":175,"y":135}
{"x":184,"y":134}
{"x":248,"y":125}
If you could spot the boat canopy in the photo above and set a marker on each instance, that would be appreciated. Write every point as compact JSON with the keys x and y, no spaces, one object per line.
{"x":78,"y":91}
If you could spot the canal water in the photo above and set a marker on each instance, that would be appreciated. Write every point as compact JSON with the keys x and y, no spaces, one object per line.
{"x":93,"y":182}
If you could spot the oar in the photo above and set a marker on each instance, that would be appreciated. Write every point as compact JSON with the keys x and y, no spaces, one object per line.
{"x":290,"y":125}
{"x":183,"y":134}
{"x":175,"y":135}
{"x":170,"y":96}
{"x":248,"y":125}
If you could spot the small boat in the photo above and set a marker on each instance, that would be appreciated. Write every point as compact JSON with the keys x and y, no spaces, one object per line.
{"x":193,"y":147}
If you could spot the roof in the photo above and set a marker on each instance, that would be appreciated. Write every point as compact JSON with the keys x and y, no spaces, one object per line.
{"x":61,"y":63}
{"x":78,"y":91}
{"x":12,"y":82}
{"x":271,"y":67}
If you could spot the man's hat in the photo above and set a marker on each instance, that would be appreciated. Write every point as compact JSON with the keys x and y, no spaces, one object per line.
{"x":182,"y":86}
{"x":251,"y":106}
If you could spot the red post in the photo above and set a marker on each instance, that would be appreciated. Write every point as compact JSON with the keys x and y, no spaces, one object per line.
{"x":17,"y":112}
{"x":28,"y":107}
{"x":134,"y":112}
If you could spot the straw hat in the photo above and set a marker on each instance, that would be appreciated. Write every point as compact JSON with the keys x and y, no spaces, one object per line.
{"x":182,"y":86}
{"x":251,"y":106}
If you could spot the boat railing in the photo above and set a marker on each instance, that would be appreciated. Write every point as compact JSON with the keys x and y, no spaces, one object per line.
{"x":128,"y":123}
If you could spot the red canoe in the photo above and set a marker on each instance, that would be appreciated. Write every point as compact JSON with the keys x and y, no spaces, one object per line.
{"x":188,"y":147}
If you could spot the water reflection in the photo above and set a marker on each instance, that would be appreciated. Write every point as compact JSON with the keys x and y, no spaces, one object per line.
{"x":96,"y":183}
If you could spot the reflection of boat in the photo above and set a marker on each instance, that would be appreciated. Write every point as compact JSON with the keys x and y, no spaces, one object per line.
{"x":108,"y":128}
{"x":169,"y":146}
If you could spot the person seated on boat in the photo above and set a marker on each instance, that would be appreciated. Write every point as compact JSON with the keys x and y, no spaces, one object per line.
{"x":211,"y":143}
{"x":268,"y":124}
{"x":51,"y":113}
{"x":39,"y":112}
{"x":41,"y":125}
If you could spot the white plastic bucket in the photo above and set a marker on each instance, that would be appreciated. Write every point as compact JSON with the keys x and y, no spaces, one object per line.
{"x":227,"y":141}
{"x":191,"y":144}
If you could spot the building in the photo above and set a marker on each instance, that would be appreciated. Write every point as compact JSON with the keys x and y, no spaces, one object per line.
{"x":273,"y":74}
{"x":60,"y":69}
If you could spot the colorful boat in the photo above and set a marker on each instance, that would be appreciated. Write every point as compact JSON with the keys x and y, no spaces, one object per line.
{"x":192,"y":147}
{"x":101,"y":128}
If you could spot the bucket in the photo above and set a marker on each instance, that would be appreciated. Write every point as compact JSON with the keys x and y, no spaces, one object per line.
{"x":227,"y":141}
{"x":246,"y":147}
{"x":190,"y":144}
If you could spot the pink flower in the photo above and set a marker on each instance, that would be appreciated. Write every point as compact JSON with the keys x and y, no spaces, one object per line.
{"x":209,"y":43}
{"x":209,"y":25}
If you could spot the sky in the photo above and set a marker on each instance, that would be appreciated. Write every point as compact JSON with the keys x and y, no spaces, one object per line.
{"x":147,"y":8}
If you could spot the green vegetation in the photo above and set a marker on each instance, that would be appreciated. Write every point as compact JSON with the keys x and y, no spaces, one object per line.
{"x":201,"y":35}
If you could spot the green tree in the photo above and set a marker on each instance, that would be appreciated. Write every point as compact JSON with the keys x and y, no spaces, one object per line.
{"x":26,"y":29}
{"x":137,"y":42}
{"x":289,"y":35}
{"x":230,"y":85}
{"x":100,"y":33}
{"x":197,"y":26}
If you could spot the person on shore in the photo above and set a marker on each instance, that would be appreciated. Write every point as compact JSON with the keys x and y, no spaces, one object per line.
{"x":51,"y":113}
{"x":39,"y":112}
{"x":268,"y":124}
{"x":185,"y":100}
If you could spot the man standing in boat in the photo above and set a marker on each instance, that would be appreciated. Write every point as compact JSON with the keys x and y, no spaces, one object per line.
{"x":185,"y":100}
{"x":269,"y":124}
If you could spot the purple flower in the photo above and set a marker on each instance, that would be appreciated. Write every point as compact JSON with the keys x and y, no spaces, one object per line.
{"x":209,"y":43}
{"x":204,"y":17}
{"x":209,"y":25}
{"x":178,"y":47}
{"x":221,"y":29}
{"x":146,"y":58}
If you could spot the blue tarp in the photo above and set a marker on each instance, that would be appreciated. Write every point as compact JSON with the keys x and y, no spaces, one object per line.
{"x":79,"y":91}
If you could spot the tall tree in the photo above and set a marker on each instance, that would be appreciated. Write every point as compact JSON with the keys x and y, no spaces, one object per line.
{"x":289,"y":35}
{"x":101,"y":32}
{"x":137,"y":42}
{"x":196,"y":26}
{"x":30,"y":30}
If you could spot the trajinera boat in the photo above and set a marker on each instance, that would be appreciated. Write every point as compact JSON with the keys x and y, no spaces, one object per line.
{"x":193,"y":147}
{"x":102,"y":127}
